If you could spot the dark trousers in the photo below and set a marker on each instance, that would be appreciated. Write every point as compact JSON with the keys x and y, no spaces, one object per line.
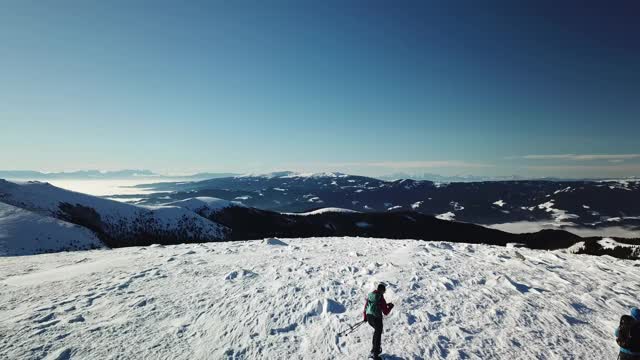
{"x":624,"y":356}
{"x":376,"y":324}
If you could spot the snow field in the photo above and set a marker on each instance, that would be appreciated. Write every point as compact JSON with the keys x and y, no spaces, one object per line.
{"x":24,"y":232}
{"x":289,"y":299}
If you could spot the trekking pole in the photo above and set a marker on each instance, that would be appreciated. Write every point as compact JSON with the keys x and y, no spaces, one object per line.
{"x":351,"y":328}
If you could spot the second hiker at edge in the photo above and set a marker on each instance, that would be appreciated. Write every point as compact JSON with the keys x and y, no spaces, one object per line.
{"x":375,"y":306}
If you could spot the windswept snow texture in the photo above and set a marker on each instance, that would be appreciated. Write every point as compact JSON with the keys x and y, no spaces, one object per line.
{"x":252,"y":300}
{"x":24,"y":232}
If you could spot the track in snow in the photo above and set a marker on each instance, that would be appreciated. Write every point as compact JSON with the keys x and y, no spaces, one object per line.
{"x":260,"y":299}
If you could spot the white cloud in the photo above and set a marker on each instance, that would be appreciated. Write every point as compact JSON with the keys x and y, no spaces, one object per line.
{"x":583,"y":157}
{"x":419,"y":164}
{"x":630,"y":169}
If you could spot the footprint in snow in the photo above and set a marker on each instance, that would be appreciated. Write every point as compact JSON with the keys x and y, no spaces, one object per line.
{"x":574,"y":321}
{"x":581,"y":308}
{"x":140,"y":303}
{"x":76,"y":319}
{"x":45,"y":318}
{"x":450,"y":284}
{"x":61,"y":354}
{"x":240,"y":274}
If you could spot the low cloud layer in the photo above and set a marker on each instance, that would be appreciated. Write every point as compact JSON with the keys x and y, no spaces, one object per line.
{"x":521,"y":227}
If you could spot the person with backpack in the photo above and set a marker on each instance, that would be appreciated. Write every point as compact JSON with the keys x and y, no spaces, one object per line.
{"x":374,"y":307}
{"x":628,"y":336}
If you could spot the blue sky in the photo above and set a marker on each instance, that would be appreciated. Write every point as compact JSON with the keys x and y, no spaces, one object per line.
{"x":364,"y":87}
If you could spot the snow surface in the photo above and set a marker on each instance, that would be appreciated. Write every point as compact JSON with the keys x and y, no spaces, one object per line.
{"x":252,"y":300}
{"x":24,"y":232}
{"x":204,"y":205}
{"x":500,"y":203}
{"x":609,"y":243}
{"x":324,"y":211}
{"x":456,"y":206}
{"x":560,"y":217}
{"x":449,"y":216}
{"x":579,"y":246}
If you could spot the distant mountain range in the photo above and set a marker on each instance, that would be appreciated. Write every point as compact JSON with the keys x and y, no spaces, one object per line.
{"x":102,"y":175}
{"x":445,"y":178}
{"x":588,"y":204}
{"x":148,"y":174}
{"x":466,"y":178}
{"x":37,"y":217}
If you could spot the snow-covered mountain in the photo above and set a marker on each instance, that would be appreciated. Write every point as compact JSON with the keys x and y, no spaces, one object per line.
{"x":205,"y":206}
{"x":554,"y":204}
{"x":25,"y":232}
{"x":289,"y":299}
{"x":113,"y":222}
{"x":204,"y":219}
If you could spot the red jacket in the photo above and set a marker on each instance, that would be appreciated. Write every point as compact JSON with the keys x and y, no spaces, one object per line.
{"x":382,"y":305}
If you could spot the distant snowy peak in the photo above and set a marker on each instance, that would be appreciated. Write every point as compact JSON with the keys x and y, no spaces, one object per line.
{"x":271,"y":175}
{"x":292,"y":174}
{"x":408,"y":184}
{"x":321,"y":175}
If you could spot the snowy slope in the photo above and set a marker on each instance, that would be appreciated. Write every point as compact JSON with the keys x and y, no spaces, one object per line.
{"x":269,"y":300}
{"x":118,"y":221}
{"x":24,"y":232}
{"x":205,"y":206}
{"x":324,"y":211}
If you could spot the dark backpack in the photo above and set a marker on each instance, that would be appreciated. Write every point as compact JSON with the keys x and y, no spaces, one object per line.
{"x":629,"y":333}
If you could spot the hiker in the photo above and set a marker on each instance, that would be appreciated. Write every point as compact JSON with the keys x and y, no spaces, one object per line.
{"x":375,"y":306}
{"x":628,"y":336}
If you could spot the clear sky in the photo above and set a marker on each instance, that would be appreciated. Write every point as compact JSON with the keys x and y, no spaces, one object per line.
{"x":368,"y":87}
